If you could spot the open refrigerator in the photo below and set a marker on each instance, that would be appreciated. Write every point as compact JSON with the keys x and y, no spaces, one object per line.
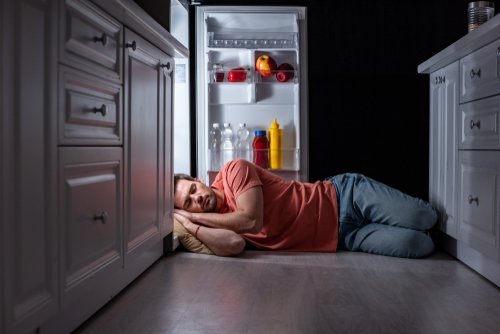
{"x":231,"y":39}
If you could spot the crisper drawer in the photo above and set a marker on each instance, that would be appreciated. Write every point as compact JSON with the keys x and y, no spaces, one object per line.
{"x":90,"y":217}
{"x":479,"y":73}
{"x":479,"y":126}
{"x":91,"y":39}
{"x":90,"y":110}
{"x":479,"y":201}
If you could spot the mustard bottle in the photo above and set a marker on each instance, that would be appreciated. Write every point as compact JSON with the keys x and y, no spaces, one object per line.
{"x":275,"y":145}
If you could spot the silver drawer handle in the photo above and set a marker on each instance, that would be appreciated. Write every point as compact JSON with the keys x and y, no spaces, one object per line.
{"x":473,"y":199}
{"x":475,"y":73}
{"x":132,"y":45}
{"x":103,"y":110}
{"x":103,"y":39}
{"x":475,"y":124}
{"x":103,"y":217}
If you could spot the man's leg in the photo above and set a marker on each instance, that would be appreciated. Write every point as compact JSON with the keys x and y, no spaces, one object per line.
{"x":389,"y":240}
{"x":379,"y":219}
{"x":381,"y":204}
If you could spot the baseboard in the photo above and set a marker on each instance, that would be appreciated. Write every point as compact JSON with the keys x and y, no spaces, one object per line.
{"x":485,"y":266}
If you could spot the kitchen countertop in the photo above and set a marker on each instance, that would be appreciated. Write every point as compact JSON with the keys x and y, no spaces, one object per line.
{"x":134,"y":17}
{"x":484,"y":34}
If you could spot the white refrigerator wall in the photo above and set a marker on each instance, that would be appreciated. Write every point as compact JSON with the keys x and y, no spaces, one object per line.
{"x":179,"y":24}
{"x":235,"y":37}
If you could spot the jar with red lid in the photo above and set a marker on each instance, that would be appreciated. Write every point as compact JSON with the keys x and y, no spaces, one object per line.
{"x":260,"y":146}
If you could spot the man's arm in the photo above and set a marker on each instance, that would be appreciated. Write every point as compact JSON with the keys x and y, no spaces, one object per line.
{"x":220,"y":241}
{"x":247,"y":218}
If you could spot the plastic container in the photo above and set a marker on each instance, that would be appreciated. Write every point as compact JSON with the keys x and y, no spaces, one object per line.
{"x":215,"y":147}
{"x":242,"y":145}
{"x":227,"y":143}
{"x":479,"y":12}
{"x":275,"y":145}
{"x":260,"y":147}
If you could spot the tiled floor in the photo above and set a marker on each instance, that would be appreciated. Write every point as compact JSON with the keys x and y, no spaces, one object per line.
{"x":263,"y":292}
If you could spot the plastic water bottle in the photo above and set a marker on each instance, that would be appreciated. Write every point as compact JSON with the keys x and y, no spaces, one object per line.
{"x":227,"y":143}
{"x":242,"y":142}
{"x":215,"y":147}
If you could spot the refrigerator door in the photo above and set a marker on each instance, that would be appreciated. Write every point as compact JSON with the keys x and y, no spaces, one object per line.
{"x":230,"y":42}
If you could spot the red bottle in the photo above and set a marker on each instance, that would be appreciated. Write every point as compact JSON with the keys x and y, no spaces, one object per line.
{"x":260,"y":149}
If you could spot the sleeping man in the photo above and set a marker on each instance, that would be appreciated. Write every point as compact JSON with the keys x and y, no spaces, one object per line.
{"x":248,"y":204}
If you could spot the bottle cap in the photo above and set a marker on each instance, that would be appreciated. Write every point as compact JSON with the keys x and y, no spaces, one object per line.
{"x":242,"y":125}
{"x":275,"y":125}
{"x":215,"y":125}
{"x":227,"y":124}
{"x":260,"y":132}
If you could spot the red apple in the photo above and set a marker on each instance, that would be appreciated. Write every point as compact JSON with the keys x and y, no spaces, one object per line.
{"x":265,"y":65}
{"x":285,"y":72}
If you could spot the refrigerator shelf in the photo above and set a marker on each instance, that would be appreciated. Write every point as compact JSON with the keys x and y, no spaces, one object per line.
{"x":220,"y":93}
{"x":247,"y":75}
{"x":253,"y":40}
{"x":286,"y":159}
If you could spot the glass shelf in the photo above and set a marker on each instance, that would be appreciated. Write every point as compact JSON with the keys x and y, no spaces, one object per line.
{"x":286,"y":159}
{"x":269,"y":40}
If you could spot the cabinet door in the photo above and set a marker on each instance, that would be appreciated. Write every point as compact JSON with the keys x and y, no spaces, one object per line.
{"x":479,"y":201}
{"x":90,"y":219}
{"x":443,"y":145}
{"x":28,"y":259}
{"x":145,"y":104}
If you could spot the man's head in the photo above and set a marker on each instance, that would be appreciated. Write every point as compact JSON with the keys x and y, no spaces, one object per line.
{"x":192,"y":195}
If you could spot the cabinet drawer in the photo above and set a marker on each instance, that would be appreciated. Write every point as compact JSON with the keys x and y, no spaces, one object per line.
{"x":90,"y":110}
{"x":479,"y":126}
{"x":479,"y":73}
{"x":90,"y":190}
{"x":479,"y":200}
{"x":91,"y":39}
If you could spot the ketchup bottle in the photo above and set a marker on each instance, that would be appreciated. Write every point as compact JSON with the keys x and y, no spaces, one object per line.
{"x":260,"y":149}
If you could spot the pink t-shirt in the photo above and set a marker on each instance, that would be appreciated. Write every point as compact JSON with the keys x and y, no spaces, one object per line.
{"x":298,"y":216}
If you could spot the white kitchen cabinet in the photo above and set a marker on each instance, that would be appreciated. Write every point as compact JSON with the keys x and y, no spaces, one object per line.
{"x":443,"y":145}
{"x":28,"y":255}
{"x":148,"y":84}
{"x":479,"y":201}
{"x":465,"y":147}
{"x":90,"y":209}
{"x":85,"y":161}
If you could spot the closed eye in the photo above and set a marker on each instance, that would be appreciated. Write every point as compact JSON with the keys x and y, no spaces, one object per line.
{"x":192,"y":190}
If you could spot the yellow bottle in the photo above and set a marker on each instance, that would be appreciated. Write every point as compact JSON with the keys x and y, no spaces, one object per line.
{"x":275,"y":145}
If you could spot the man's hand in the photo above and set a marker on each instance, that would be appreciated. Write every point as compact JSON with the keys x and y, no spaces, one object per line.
{"x":184,"y":213}
{"x":220,"y":241}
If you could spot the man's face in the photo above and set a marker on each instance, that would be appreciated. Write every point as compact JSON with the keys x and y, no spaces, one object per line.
{"x":194,"y":196}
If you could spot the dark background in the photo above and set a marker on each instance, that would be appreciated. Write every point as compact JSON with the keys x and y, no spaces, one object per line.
{"x":368,"y":106}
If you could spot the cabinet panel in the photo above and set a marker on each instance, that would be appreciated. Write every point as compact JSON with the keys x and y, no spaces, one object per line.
{"x":145,"y":144}
{"x":479,"y":200}
{"x":479,"y":126}
{"x":90,"y":213}
{"x":443,"y":145}
{"x":27,"y":164}
{"x":90,"y":40}
{"x":479,"y":73}
{"x":90,"y":110}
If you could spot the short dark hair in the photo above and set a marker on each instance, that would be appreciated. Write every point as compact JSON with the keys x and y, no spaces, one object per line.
{"x":181,"y":176}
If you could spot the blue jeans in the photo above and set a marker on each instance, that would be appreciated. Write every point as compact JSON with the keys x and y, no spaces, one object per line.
{"x":378,"y":219}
